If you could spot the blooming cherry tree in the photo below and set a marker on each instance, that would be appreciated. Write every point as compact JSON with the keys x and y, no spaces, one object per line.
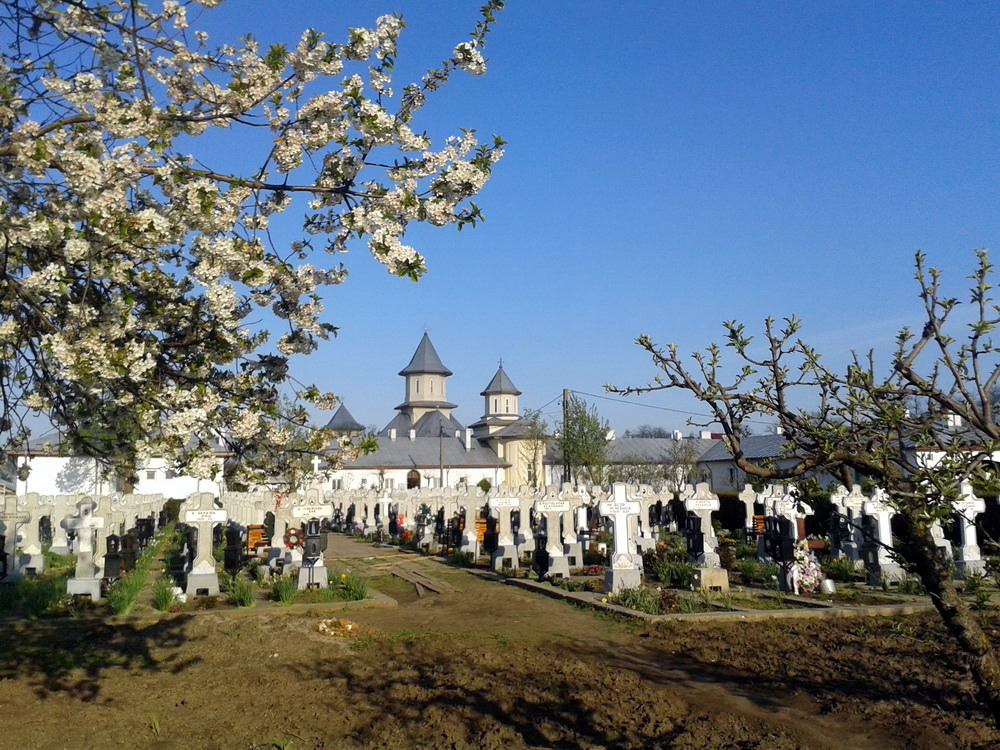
{"x":131,"y":264}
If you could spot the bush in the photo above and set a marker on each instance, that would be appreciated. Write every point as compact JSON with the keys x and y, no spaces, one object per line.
{"x":840,"y":569}
{"x":355,"y":587}
{"x":39,"y":594}
{"x":751,"y":571}
{"x":284,"y":589}
{"x":241,"y":592}
{"x":124,"y":592}
{"x":638,"y":598}
{"x":461,"y":558}
{"x":727,"y":557}
{"x":163,"y":595}
{"x":673,"y":573}
{"x":745,"y":551}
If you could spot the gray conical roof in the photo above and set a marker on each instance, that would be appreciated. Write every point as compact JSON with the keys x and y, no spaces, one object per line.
{"x":425,"y":359}
{"x":500,"y":384}
{"x":343,"y":421}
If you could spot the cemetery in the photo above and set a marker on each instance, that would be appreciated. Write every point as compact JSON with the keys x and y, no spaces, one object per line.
{"x":560,"y":616}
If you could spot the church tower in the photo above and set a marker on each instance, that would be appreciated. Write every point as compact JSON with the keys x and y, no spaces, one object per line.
{"x":500,"y":405}
{"x":426,"y":408}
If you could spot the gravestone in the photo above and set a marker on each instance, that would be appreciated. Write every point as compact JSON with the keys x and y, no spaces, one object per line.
{"x":878,"y":540}
{"x":624,"y":570}
{"x":967,"y":507}
{"x":702,"y":502}
{"x":59,"y":507}
{"x":505,"y":555}
{"x":10,"y":519}
{"x":32,"y":561}
{"x":199,"y":513}
{"x":312,"y":571}
{"x":85,"y":524}
{"x":552,"y":507}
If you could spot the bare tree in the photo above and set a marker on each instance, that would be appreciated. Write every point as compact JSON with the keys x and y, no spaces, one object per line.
{"x":860,"y":423}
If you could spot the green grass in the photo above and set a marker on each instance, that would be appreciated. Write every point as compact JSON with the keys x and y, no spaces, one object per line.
{"x":284,"y":590}
{"x":241,"y":592}
{"x":40,"y":594}
{"x":163,"y":596}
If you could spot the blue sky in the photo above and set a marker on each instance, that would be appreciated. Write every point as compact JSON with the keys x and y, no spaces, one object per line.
{"x":670,"y":166}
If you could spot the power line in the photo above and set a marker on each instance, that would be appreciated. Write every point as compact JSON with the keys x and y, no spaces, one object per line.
{"x":653,"y":406}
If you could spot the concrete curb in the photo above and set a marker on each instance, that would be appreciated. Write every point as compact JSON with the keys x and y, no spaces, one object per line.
{"x":816,"y":610}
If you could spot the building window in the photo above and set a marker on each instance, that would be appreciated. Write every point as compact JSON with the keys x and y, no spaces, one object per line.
{"x":495,"y":404}
{"x":364,"y":481}
{"x":337,"y":484}
{"x":171,"y":474}
{"x":417,"y":385}
{"x":506,"y":406}
{"x":390,"y":484}
{"x":732,"y":476}
{"x":432,"y":385}
{"x":150,"y":475}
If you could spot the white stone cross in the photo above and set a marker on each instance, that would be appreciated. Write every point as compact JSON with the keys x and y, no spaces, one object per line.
{"x":199,"y":511}
{"x":10,"y":519}
{"x":619,"y":508}
{"x":552,"y":507}
{"x":967,"y":507}
{"x":702,"y":503}
{"x":85,"y":523}
{"x":31,"y":545}
{"x":504,"y":506}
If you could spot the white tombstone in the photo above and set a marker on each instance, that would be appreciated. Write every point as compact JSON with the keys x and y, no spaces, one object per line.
{"x":505,"y":555}
{"x":552,"y":507}
{"x":702,"y":502}
{"x":883,"y":564}
{"x":626,"y":565}
{"x":61,"y":506}
{"x":11,"y":518}
{"x":200,"y":512}
{"x":967,"y":507}
{"x":85,"y":524}
{"x":32,"y":561}
{"x":748,"y":496}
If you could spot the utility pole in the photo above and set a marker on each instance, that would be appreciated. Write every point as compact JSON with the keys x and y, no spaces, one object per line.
{"x":565,"y":442}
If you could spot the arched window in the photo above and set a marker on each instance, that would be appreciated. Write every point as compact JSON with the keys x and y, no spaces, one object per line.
{"x":413,"y":480}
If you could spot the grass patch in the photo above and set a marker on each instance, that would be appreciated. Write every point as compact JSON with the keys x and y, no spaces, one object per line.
{"x":241,"y":592}
{"x":284,"y":589}
{"x":163,"y":595}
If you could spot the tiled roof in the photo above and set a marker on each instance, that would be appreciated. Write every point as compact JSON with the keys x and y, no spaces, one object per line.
{"x":425,"y":359}
{"x":754,"y":447}
{"x":500,"y":384}
{"x":343,"y":421}
{"x":426,"y":453}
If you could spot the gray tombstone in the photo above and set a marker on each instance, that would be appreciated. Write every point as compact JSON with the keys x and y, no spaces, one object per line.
{"x":624,"y":570}
{"x":85,"y":524}
{"x":199,"y":511}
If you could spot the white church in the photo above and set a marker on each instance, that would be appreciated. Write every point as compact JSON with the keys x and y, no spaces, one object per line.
{"x":425,"y":446}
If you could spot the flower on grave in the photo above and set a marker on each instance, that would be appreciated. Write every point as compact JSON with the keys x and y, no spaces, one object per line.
{"x":807,"y":568}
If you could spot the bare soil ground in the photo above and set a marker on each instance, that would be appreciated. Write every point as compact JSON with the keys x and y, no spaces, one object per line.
{"x":486,"y":666}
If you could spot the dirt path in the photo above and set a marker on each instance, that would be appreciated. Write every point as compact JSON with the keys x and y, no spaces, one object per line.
{"x":488,"y":666}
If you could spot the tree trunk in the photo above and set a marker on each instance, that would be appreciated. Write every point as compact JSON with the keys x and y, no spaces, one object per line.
{"x":918,"y":549}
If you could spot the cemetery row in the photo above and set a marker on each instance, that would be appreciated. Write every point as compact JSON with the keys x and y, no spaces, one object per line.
{"x":546,"y":528}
